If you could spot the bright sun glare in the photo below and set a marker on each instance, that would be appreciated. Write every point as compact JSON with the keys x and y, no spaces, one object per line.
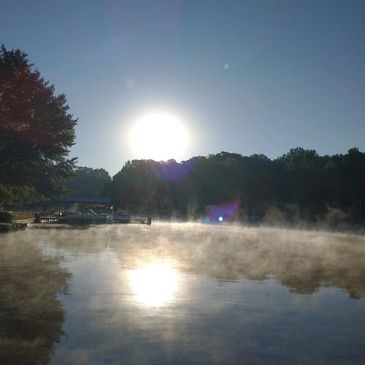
{"x":159,"y":136}
{"x":154,"y":285}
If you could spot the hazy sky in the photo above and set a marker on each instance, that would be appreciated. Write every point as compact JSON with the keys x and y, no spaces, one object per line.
{"x":259,"y":76}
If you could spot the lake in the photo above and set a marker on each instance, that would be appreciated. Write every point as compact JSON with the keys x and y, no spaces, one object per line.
{"x":181,"y":294}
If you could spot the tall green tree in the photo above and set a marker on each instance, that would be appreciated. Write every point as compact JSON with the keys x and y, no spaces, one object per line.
{"x":36,"y":128}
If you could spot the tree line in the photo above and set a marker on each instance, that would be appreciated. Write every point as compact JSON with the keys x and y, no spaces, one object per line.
{"x":298,"y":186}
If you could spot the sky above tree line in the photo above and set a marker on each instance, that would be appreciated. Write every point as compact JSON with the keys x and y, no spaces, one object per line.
{"x":242,"y":76}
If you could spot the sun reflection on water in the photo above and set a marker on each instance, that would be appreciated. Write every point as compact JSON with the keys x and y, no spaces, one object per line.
{"x":155,"y":284}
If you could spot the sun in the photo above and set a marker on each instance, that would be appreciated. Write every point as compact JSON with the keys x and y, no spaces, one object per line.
{"x":159,"y":136}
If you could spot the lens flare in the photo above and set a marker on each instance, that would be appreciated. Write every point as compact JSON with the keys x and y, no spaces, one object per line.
{"x":222,"y":212}
{"x":171,"y":170}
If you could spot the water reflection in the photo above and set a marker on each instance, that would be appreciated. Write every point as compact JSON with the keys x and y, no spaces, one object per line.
{"x":31,"y":315}
{"x":182,"y":294}
{"x":303,"y":261}
{"x":154,"y":284}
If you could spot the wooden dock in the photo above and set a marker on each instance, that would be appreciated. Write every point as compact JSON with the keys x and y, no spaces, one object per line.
{"x":9,"y":223}
{"x":13,"y":226}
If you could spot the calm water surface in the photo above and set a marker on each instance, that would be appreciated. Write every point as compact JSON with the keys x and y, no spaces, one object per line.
{"x":181,"y":294}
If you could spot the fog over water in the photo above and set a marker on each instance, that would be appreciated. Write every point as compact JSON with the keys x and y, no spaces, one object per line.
{"x":181,"y":294}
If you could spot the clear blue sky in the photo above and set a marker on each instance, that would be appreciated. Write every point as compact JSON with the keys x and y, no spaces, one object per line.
{"x":257,"y":76}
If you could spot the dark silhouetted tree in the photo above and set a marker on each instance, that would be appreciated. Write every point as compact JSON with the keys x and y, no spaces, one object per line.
{"x":301,"y":184}
{"x":36,"y":129}
{"x":89,"y":182}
